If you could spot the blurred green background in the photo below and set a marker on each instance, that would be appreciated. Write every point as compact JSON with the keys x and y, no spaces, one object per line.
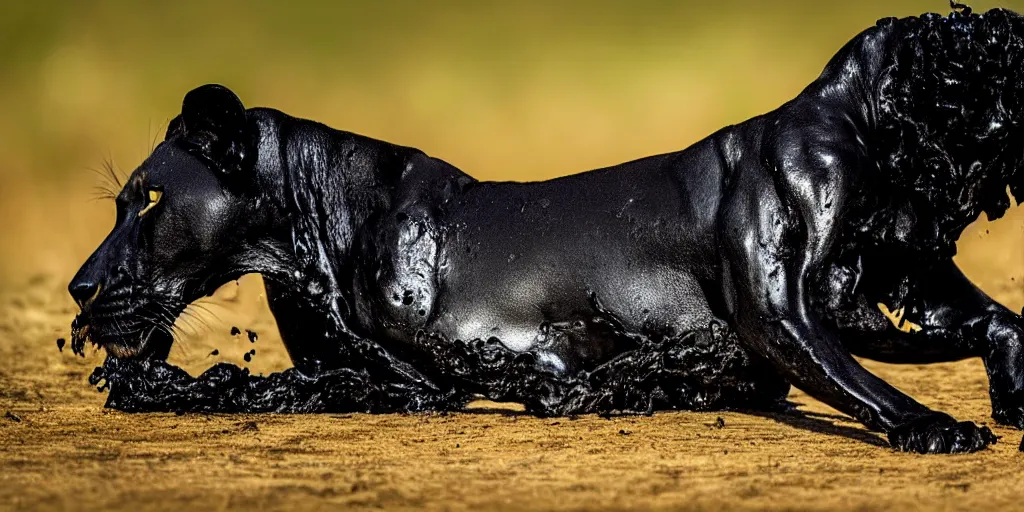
{"x":511,"y":90}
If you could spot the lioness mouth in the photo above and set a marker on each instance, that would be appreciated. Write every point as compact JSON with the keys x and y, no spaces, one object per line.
{"x":81,"y":333}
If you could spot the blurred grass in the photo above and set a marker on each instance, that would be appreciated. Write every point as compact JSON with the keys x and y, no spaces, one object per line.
{"x":511,"y":90}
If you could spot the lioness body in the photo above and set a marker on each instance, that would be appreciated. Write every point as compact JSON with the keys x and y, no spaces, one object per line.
{"x":502,"y":260}
{"x":788,"y":229}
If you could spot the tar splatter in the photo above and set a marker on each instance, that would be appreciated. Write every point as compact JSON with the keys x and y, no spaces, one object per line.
{"x":60,"y":344}
{"x":252,"y":336}
{"x":235,"y":331}
{"x":156,"y":386}
{"x":703,"y":370}
{"x":215,"y":352}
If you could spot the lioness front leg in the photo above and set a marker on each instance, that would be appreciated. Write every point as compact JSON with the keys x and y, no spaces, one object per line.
{"x":317,"y":341}
{"x":778,"y":230}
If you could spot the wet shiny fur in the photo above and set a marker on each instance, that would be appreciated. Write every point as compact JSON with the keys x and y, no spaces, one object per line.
{"x":758,"y":256}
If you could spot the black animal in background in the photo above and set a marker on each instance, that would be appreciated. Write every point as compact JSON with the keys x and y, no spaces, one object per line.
{"x":818,"y":231}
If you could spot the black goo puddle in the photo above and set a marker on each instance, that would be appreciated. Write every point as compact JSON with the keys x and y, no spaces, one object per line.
{"x":704,"y":370}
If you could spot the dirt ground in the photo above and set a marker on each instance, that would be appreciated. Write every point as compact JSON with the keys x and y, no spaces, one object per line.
{"x":59,"y":449}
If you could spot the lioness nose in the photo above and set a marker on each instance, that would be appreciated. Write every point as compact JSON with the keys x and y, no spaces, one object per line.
{"x":84,"y":292}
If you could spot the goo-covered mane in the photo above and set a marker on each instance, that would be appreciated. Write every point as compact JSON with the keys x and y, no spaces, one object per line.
{"x":950,"y":116}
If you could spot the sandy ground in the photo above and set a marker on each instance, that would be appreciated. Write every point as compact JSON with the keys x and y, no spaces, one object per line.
{"x":59,"y":449}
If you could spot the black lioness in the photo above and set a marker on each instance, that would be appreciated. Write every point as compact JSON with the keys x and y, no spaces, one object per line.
{"x":800,"y":231}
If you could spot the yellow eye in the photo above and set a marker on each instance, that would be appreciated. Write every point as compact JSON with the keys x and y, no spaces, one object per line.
{"x":153,"y":197}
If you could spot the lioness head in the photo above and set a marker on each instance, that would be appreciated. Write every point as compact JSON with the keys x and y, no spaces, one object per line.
{"x":185,"y":221}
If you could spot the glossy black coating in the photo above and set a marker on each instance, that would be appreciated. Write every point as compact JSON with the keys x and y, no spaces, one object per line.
{"x":704,"y":279}
{"x":703,"y":370}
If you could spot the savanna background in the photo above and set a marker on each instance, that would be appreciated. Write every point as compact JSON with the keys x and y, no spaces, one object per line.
{"x":513,"y":90}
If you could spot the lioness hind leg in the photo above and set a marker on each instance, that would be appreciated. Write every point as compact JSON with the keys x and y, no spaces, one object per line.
{"x":957,"y":321}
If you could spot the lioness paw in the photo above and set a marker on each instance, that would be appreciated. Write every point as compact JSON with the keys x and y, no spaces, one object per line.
{"x":940,"y":433}
{"x":1008,"y":409}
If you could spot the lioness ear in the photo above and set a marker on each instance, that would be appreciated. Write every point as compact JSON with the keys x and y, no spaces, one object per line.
{"x":212,"y":125}
{"x":175,"y":128}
